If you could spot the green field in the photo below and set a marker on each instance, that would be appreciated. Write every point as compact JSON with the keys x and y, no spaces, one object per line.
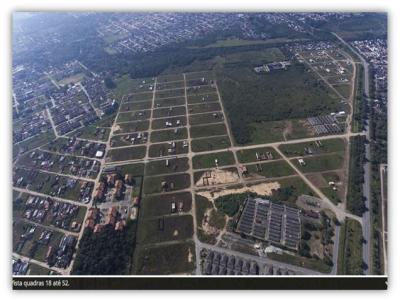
{"x":166,"y":260}
{"x":329,"y":145}
{"x":160,"y":166}
{"x":154,"y":206}
{"x":156,"y":150}
{"x":133,"y":116}
{"x":277,"y":168}
{"x":206,"y":118}
{"x":127,"y":85}
{"x":139,"y":97}
{"x":321,"y":163}
{"x":127,"y":153}
{"x":210,"y":143}
{"x":203,"y":98}
{"x":203,"y":108}
{"x":208,"y":160}
{"x":168,"y":135}
{"x":169,"y":102}
{"x":249,"y":155}
{"x":160,"y":123}
{"x":134,"y":106}
{"x":208,"y":130}
{"x":179,"y":181}
{"x":166,"y":112}
{"x":130,"y":127}
{"x":177,"y":227}
{"x":124,"y":140}
{"x":350,"y":249}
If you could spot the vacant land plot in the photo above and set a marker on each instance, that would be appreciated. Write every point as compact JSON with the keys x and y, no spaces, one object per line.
{"x":139,"y":97}
{"x":206,"y":118}
{"x":170,"y":93}
{"x":177,"y":121}
{"x":124,"y":140}
{"x":131,"y":127}
{"x":133,"y":116}
{"x":211,"y":160}
{"x":166,"y":228}
{"x":321,"y":163}
{"x":128,"y":153}
{"x":308,"y":148}
{"x":168,"y":135}
{"x":174,"y":101}
{"x":266,"y":132}
{"x":172,"y":111}
{"x":208,"y":130}
{"x":132,"y":106}
{"x":127,"y":85}
{"x":202,"y":108}
{"x":159,"y":205}
{"x":170,"y":85}
{"x":211,"y":143}
{"x":166,"y":183}
{"x":136,"y":169}
{"x":202,"y":98}
{"x":216,"y":176}
{"x":166,"y":149}
{"x":166,"y":260}
{"x":250,"y":155}
{"x":200,"y":90}
{"x":277,"y":168}
{"x":167,"y":166}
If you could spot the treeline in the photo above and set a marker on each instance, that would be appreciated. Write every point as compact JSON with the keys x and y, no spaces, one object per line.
{"x":360,"y":112}
{"x":378,"y":133}
{"x":355,"y":196}
{"x":108,"y":252}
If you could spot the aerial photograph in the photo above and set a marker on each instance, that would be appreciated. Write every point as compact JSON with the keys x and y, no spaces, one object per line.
{"x":199,"y":144}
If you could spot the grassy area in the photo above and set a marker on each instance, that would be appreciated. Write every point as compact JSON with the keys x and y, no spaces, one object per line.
{"x":249,"y":155}
{"x":302,"y":149}
{"x":169,"y":166}
{"x":132,"y":127}
{"x":277,"y":168}
{"x":350,"y":250}
{"x":33,"y":142}
{"x":161,"y":123}
{"x":206,"y":118}
{"x":174,"y":182}
{"x":321,"y":163}
{"x":173,"y":228}
{"x":168,"y":135}
{"x":208,"y":160}
{"x":165,"y":260}
{"x":128,"y":153}
{"x":127,"y":85}
{"x":204,"y":107}
{"x":153,"y":206}
{"x":134,"y":169}
{"x":134,"y":106}
{"x":313,"y":264}
{"x":266,"y":132}
{"x":165,"y":112}
{"x":208,"y":130}
{"x":170,"y":102}
{"x":202,"y":98}
{"x":133,"y":116}
{"x":211,"y":143}
{"x":156,"y":150}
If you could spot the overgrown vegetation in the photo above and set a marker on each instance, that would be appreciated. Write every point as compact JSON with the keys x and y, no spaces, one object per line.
{"x":355,"y":197}
{"x":108,"y":252}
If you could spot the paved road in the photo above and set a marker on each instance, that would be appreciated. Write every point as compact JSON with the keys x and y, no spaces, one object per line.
{"x":335,"y":254}
{"x":366,"y":218}
{"x":383,"y":171}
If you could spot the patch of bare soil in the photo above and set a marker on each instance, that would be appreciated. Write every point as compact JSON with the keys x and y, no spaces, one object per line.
{"x":216,"y":177}
{"x":264,"y":188}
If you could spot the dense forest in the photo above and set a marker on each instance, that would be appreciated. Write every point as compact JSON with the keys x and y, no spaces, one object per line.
{"x":108,"y":252}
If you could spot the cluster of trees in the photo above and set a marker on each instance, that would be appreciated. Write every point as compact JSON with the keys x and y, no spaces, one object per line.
{"x":355,"y":197}
{"x":108,"y":252}
{"x":230,"y":204}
